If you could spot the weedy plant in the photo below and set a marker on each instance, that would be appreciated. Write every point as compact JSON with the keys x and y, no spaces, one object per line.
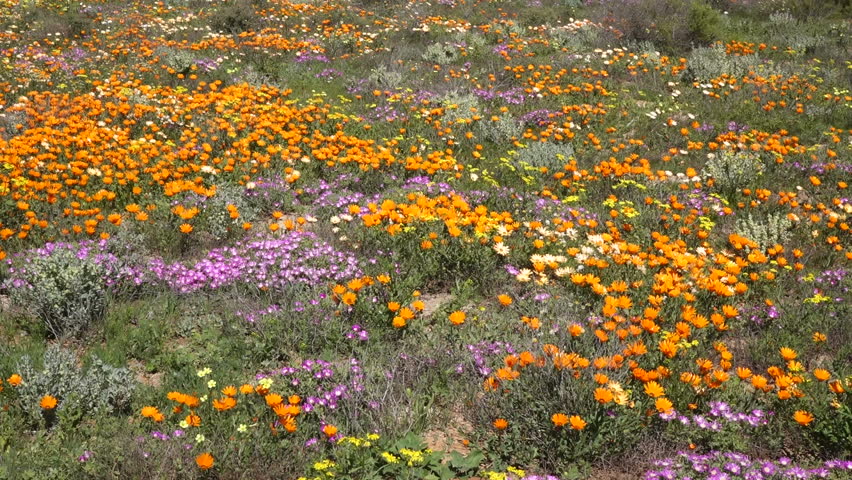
{"x":66,"y":292}
{"x":773,"y":229}
{"x":732,"y":170}
{"x":97,"y":388}
{"x":441,"y":53}
{"x":706,"y":63}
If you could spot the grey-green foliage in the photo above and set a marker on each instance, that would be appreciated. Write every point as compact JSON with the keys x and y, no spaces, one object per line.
{"x":100,"y":388}
{"x":217,"y":219}
{"x":645,"y":49}
{"x":179,"y":60}
{"x":441,"y":53}
{"x":65,"y":292}
{"x":771,"y":230}
{"x":8,"y":121}
{"x":798,"y":37}
{"x":574,"y":39}
{"x":458,"y":106}
{"x":505,"y":128}
{"x":254,"y":77}
{"x":706,"y":63}
{"x":384,"y":78}
{"x":514,"y":30}
{"x":733,"y":170}
{"x":474,"y":42}
{"x":552,"y":155}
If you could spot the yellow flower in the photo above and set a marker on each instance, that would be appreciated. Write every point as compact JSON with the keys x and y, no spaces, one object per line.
{"x":517,"y":471}
{"x":654,"y":389}
{"x":389,"y":457}
{"x":413,"y":456}
{"x":663,"y":405}
{"x":323,"y":465}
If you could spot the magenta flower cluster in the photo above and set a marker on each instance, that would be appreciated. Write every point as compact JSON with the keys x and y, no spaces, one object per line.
{"x":737,"y":466}
{"x":321,"y":384}
{"x":261,"y":262}
{"x":718,"y":417}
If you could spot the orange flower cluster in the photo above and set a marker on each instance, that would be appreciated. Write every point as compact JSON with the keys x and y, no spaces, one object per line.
{"x":153,"y":413}
{"x":402,"y":315}
{"x":84,"y":164}
{"x":348,"y":294}
{"x":452,"y":210}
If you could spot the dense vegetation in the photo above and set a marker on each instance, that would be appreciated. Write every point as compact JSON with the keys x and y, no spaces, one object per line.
{"x":473,"y":239}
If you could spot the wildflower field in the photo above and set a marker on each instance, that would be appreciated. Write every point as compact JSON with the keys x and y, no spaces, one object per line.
{"x":445,"y":239}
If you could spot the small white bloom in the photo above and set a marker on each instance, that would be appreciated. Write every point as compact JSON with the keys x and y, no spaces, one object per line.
{"x":563,"y":271}
{"x":501,"y":249}
{"x":524,"y":275}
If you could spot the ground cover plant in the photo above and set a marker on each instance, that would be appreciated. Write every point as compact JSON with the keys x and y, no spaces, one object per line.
{"x":460,"y":239}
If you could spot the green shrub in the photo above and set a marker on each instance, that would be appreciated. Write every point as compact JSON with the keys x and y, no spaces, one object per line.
{"x":96,"y":389}
{"x":235,"y":16}
{"x":441,"y":53}
{"x":529,"y":403}
{"x":733,"y":170}
{"x":65,"y":292}
{"x":804,"y":9}
{"x":706,"y":63}
{"x":505,"y":128}
{"x":551,"y":155}
{"x":773,"y":230}
{"x":673,"y":25}
{"x":41,"y":19}
{"x":575,"y":39}
{"x":383,"y":77}
{"x":458,"y":105}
